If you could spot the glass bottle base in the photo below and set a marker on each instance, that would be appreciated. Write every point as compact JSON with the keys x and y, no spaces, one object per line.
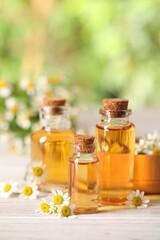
{"x":112,"y":201}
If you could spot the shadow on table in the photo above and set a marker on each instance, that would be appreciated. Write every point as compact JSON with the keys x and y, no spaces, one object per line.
{"x":154,"y":199}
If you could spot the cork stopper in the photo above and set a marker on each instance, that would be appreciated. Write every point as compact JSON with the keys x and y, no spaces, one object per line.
{"x":115,"y":104}
{"x":53,"y":102}
{"x":85,"y":143}
{"x":53,"y":106}
{"x":115,"y":107}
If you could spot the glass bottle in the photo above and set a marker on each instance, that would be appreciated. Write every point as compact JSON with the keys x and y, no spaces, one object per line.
{"x":115,"y":140}
{"x":83,"y":176}
{"x":52,"y":143}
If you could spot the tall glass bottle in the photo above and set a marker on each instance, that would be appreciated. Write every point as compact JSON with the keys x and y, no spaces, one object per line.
{"x":115,"y":139}
{"x":83,"y":176}
{"x":52,"y":143}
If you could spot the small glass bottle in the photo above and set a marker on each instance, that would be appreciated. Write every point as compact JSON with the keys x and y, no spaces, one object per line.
{"x":83,"y":176}
{"x":52,"y":143}
{"x":115,"y":140}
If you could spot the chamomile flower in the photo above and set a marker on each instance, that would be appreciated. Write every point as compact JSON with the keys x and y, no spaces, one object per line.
{"x":44,"y":207}
{"x":54,"y":79}
{"x":65,"y":211}
{"x":149,"y":144}
{"x":59,"y":198}
{"x":48,"y":92}
{"x":27,"y":85}
{"x":137,"y":200}
{"x":29,"y":191}
{"x":37,"y":172}
{"x":3,"y":123}
{"x":7,"y":189}
{"x":12,"y":106}
{"x":5,"y":89}
{"x":23,"y":120}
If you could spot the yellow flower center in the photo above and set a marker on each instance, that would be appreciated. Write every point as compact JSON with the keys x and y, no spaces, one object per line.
{"x":137,"y":201}
{"x":3,"y":84}
{"x":156,"y":151}
{"x":66,"y":211}
{"x":45,"y":207}
{"x":7,"y":188}
{"x":29,"y":112}
{"x":14,"y":109}
{"x":30,"y":85}
{"x":38,"y":171}
{"x":54,"y":79}
{"x":23,"y":118}
{"x":55,"y":210}
{"x":58,"y":200}
{"x":27,"y":191}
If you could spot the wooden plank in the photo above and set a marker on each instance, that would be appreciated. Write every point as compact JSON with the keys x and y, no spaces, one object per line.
{"x":19,"y":221}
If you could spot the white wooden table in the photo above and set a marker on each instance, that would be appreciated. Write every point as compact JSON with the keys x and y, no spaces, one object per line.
{"x":18,"y":220}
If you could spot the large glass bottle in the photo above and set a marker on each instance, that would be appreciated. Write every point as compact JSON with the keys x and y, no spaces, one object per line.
{"x":83,"y":176}
{"x":115,"y":140}
{"x":52,"y":143}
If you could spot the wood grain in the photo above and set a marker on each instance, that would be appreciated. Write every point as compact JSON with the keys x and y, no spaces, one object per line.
{"x":18,"y":220}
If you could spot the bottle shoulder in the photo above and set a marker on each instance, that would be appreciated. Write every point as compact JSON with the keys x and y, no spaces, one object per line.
{"x":55,"y":135}
{"x":83,"y":158}
{"x":123,"y":126}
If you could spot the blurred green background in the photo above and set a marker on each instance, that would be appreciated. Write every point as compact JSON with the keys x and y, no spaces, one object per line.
{"x":109,"y":48}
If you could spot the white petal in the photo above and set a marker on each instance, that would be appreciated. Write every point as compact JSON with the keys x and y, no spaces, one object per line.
{"x":34,"y":188}
{"x":141,"y":194}
{"x":54,"y":192}
{"x":67,"y":199}
{"x":65,"y":195}
{"x":33,"y":196}
{"x":2,"y":184}
{"x":130,"y":197}
{"x":37,"y":192}
{"x":146,"y":200}
{"x":37,"y":211}
{"x":59,"y":192}
{"x":143,"y":206}
{"x":65,"y":203}
{"x":137,"y":192}
{"x":127,"y":202}
{"x":133,"y":194}
{"x":132,"y":206}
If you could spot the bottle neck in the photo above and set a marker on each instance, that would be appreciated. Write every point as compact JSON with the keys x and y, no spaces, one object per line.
{"x":50,"y":121}
{"x":115,"y":121}
{"x":115,"y":117}
{"x":85,"y":156}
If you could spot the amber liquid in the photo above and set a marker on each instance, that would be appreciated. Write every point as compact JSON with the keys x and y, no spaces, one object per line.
{"x":115,"y":150}
{"x":83,"y":185}
{"x":147,"y":173}
{"x":53,"y":148}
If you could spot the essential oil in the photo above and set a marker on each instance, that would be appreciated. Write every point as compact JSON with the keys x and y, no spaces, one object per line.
{"x":115,"y":139}
{"x":52,"y":143}
{"x":83,"y":176}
